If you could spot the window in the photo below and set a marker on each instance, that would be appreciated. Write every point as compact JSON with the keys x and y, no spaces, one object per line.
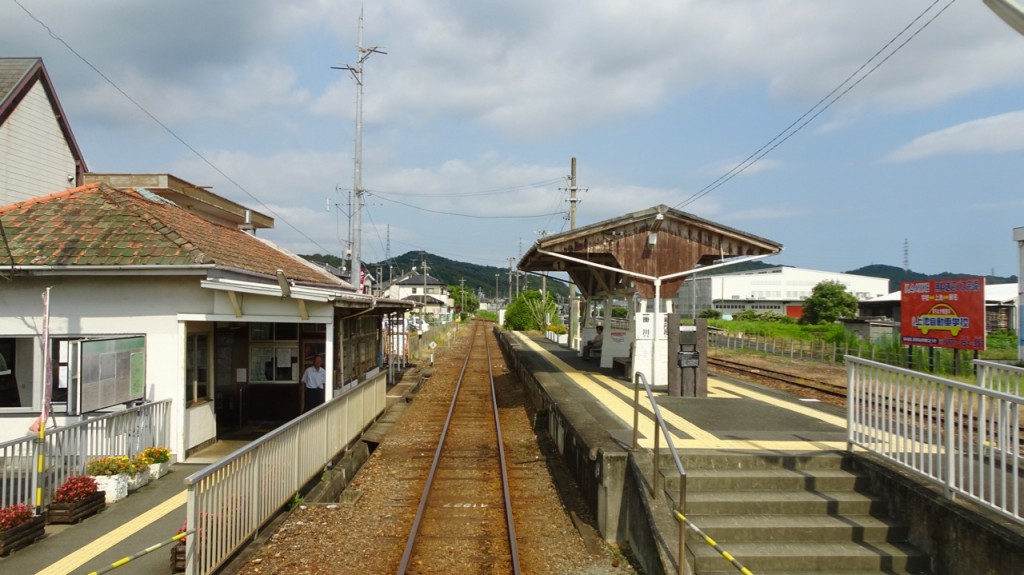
{"x":274,"y":353}
{"x":197,"y":368}
{"x":16,"y":372}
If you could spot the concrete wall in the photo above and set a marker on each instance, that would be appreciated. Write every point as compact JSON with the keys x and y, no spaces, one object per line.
{"x":596,"y":462}
{"x":960,"y":537}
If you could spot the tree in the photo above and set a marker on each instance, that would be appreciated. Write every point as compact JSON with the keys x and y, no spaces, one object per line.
{"x":828,"y":302}
{"x":528,"y":311}
{"x":462,"y":295}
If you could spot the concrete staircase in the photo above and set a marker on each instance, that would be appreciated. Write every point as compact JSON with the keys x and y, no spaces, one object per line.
{"x":790,"y":513}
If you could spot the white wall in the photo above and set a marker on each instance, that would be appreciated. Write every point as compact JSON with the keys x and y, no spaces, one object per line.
{"x":35,"y":159}
{"x":156,"y":307}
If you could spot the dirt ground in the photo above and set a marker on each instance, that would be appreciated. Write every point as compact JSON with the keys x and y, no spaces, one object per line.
{"x":805,"y":368}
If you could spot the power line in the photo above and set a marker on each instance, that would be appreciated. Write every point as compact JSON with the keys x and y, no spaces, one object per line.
{"x":493,"y":192}
{"x":422,"y":209}
{"x":790,"y":131}
{"x":165,"y":127}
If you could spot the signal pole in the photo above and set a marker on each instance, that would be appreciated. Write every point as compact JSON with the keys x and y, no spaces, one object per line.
{"x":357,"y":171}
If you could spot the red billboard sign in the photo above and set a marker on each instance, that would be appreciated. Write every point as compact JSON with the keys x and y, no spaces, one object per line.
{"x":943,"y":313}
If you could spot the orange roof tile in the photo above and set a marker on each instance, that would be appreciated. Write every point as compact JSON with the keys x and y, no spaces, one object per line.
{"x":98,"y":225}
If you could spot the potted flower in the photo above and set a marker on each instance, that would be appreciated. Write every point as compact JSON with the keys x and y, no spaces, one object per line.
{"x":76,"y":499}
{"x":138,"y":473}
{"x":159,"y":459}
{"x":19,"y":526}
{"x":111,"y":474}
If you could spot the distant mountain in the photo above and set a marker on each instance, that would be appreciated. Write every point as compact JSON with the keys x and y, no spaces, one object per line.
{"x":482,"y":277}
{"x":896,"y":275}
{"x":477,"y":278}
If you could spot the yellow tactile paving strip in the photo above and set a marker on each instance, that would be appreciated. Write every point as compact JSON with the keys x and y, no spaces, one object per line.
{"x":619,"y":401}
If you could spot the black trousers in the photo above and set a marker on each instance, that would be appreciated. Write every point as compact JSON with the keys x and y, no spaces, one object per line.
{"x":314,"y":397}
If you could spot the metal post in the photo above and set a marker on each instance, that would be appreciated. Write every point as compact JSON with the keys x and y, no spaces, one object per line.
{"x":657,"y":449}
{"x":636,"y":411}
{"x":681,"y":508}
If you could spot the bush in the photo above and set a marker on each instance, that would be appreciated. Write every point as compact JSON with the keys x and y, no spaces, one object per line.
{"x":710,"y":314}
{"x":76,"y":488}
{"x":156,"y":455}
{"x":15,"y":515}
{"x":558,"y":329}
{"x":115,"y":465}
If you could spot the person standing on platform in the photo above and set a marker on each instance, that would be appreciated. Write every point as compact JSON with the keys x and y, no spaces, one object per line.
{"x":314,"y":379}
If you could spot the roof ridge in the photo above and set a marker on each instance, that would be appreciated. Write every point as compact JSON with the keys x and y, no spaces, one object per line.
{"x":48,"y":197}
{"x":123,"y":198}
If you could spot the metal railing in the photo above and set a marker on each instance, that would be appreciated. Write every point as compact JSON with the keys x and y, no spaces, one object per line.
{"x":229,"y":501}
{"x":999,"y":376}
{"x":659,"y":429}
{"x":962,"y":436}
{"x":67,"y":449}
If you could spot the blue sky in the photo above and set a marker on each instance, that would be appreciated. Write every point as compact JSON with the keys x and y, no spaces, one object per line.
{"x":472,"y":116}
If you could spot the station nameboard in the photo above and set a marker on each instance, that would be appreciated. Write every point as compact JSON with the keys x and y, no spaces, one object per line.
{"x":943,"y":313}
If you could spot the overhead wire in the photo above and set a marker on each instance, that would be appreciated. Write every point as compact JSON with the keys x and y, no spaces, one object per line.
{"x":165,"y":127}
{"x":814,"y":111}
{"x":473,"y":216}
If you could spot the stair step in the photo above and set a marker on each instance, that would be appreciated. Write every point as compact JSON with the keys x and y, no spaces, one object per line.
{"x":711,"y":460}
{"x":782,"y":502}
{"x":768,"y":479}
{"x":765,"y":528}
{"x":812,"y":557}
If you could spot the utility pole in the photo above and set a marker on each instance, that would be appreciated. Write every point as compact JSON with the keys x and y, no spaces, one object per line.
{"x":424,"y":312}
{"x":510,"y":261}
{"x":574,"y":308}
{"x":357,"y":171}
{"x":462,"y":292}
{"x":496,"y":296}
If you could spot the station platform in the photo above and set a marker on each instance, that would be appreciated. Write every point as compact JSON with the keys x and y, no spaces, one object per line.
{"x":736,"y":415}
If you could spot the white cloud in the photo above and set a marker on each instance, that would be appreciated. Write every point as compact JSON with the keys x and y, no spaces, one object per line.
{"x":994,"y":134}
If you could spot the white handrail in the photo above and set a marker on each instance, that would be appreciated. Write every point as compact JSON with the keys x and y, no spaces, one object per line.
{"x":962,"y":436}
{"x":229,"y":501}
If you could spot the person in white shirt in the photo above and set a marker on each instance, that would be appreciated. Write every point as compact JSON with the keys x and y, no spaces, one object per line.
{"x":314,"y":379}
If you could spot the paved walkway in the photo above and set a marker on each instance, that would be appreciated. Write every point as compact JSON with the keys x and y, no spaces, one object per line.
{"x":149,"y":515}
{"x":735,"y":415}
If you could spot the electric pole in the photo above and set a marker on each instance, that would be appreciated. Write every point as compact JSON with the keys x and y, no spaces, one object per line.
{"x":357,"y":171}
{"x":574,"y":308}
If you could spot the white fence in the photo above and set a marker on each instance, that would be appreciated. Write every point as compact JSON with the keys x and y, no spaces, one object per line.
{"x":965,"y":437}
{"x":229,"y":501}
{"x":67,"y":449}
{"x":999,"y":376}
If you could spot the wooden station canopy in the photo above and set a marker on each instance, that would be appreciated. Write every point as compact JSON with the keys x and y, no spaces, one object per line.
{"x":655,"y":242}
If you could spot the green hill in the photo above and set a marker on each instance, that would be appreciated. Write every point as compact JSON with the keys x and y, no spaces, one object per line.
{"x":481,"y":278}
{"x":478,"y":278}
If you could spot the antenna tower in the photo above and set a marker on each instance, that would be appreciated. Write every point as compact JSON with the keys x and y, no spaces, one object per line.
{"x":906,"y":255}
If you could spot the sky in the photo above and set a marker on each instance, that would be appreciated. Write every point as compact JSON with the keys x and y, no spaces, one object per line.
{"x":882,"y":131}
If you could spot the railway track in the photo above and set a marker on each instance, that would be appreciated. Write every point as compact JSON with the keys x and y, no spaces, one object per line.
{"x":464,"y":519}
{"x":821,"y":387}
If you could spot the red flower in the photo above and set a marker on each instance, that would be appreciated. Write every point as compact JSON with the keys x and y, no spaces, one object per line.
{"x":76,"y":488}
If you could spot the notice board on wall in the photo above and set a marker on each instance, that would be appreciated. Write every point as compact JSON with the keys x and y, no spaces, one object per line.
{"x":113,"y":371}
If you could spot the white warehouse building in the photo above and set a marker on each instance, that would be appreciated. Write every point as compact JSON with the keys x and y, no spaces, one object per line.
{"x":779,"y":289}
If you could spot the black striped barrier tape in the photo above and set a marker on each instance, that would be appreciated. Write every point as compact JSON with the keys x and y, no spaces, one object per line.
{"x":714,"y":545}
{"x":145,"y":551}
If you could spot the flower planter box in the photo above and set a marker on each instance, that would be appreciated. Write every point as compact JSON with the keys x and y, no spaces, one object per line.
{"x":77,"y":511}
{"x":158,"y":470}
{"x":21,"y":535}
{"x":140,"y":479}
{"x":115,"y":486}
{"x":178,"y":557}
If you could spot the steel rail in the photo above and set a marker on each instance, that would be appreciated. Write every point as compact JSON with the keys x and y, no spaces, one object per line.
{"x":411,"y":542}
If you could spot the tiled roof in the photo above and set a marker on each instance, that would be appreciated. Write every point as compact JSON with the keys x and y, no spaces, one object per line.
{"x":96,"y":225}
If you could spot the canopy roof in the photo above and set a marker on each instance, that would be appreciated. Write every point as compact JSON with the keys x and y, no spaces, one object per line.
{"x":607,"y":257}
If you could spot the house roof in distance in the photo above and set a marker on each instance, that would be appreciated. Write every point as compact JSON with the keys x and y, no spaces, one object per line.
{"x":17,"y":77}
{"x":98,"y":226}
